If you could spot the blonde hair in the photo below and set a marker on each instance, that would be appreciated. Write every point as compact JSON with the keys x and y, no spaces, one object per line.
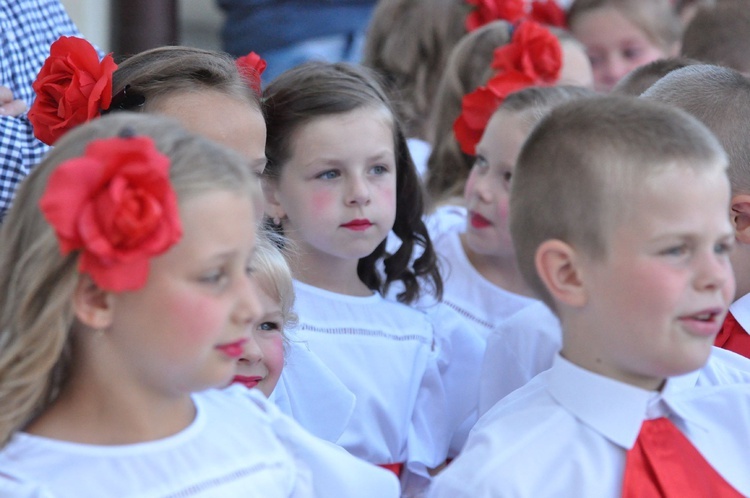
{"x":467,"y":69}
{"x":36,"y":311}
{"x":273,"y":274}
{"x":408,"y":43}
{"x":161,"y":72}
{"x":720,"y":98}
{"x":655,"y":18}
{"x":581,"y":164}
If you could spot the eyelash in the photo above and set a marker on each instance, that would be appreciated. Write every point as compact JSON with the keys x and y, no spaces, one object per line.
{"x":270,"y":326}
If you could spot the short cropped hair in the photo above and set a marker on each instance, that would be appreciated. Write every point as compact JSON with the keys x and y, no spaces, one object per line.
{"x":641,"y":78}
{"x":720,"y":98}
{"x":583,"y":161}
{"x":720,"y":35}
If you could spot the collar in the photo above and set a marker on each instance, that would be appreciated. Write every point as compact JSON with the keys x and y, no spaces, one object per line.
{"x":741,"y":311}
{"x":614,"y":409}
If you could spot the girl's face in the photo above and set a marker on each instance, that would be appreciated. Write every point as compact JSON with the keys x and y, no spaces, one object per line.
{"x":263,"y":355}
{"x":615,"y":45}
{"x":488,"y":186}
{"x":336,"y":195}
{"x":229,"y":121}
{"x":186,"y":328}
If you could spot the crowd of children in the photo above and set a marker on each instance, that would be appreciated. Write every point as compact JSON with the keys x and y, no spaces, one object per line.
{"x":505,"y":255}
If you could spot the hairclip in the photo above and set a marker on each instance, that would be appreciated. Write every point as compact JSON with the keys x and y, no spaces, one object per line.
{"x":251,"y":67}
{"x":533,"y":57}
{"x":72,"y":87}
{"x":125,"y":101}
{"x":115,"y":204}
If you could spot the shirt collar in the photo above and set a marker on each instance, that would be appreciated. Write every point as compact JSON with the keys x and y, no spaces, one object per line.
{"x":612,"y":408}
{"x":741,"y":311}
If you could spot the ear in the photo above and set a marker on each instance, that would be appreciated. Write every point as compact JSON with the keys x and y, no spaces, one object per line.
{"x":740,"y":216}
{"x":558,"y":266}
{"x":92,"y":306}
{"x":272,"y":205}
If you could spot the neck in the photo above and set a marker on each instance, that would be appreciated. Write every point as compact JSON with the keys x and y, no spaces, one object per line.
{"x":500,"y":270}
{"x":333,"y":274}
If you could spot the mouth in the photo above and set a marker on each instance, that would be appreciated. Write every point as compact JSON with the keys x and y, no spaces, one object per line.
{"x":232,"y":349}
{"x":358,"y":225}
{"x":705,"y":323}
{"x":478,"y":221}
{"x":249,"y":381}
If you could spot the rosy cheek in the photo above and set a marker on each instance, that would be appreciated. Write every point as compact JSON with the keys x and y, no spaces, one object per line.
{"x":195,"y":316}
{"x":319,"y":202}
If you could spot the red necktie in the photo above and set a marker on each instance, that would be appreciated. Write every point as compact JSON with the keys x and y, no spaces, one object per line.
{"x":733,"y":337}
{"x":664,"y":463}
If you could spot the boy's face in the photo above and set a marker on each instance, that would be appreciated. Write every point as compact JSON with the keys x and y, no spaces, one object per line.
{"x":656,"y":301}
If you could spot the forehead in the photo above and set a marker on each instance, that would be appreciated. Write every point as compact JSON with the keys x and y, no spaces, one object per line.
{"x":606,"y":26}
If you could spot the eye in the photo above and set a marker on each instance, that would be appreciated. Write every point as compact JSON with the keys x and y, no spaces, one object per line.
{"x":328,"y":175}
{"x":724,"y":248}
{"x":214,"y":277}
{"x":270,"y":326}
{"x":480,"y":163}
{"x":632,"y":53}
{"x":678,"y":250}
{"x":379,"y":169}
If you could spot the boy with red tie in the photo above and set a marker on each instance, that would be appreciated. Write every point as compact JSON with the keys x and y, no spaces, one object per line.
{"x":720,"y":98}
{"x":618,"y":215}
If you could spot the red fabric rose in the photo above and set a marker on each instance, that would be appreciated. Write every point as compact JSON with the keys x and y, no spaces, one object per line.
{"x":548,"y":12}
{"x":534,"y":51}
{"x":72,"y":87}
{"x":251,"y":66}
{"x":487,"y":11}
{"x":116,"y":205}
{"x":478,"y":106}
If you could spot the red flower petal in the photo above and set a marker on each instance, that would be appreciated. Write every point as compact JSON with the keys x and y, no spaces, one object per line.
{"x":251,"y":66}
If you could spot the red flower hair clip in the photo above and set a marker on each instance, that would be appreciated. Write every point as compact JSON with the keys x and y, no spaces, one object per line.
{"x":251,"y":66}
{"x":72,"y":87}
{"x":116,"y":205}
{"x":549,"y":12}
{"x":486,"y":11}
{"x":533,"y":57}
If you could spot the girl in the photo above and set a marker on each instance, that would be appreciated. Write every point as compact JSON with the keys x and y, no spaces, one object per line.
{"x":339,"y":179}
{"x":126,"y":268}
{"x":621,"y":35}
{"x":469,"y":67}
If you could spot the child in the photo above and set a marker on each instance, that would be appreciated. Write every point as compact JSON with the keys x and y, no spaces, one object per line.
{"x":339,"y":179}
{"x":126,"y":269}
{"x":469,"y":67}
{"x":720,"y":35}
{"x":720,"y":98}
{"x":627,"y":239}
{"x":481,"y":276}
{"x":263,"y":354}
{"x":621,"y":35}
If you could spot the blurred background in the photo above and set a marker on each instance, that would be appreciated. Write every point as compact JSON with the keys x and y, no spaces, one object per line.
{"x":127,"y":26}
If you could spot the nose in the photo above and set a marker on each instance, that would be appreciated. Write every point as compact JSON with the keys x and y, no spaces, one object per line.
{"x":612,"y":71}
{"x":247,"y":307}
{"x":251,"y":351}
{"x":358,"y":191}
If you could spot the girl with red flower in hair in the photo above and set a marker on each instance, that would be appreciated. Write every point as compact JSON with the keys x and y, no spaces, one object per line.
{"x":128,"y":297}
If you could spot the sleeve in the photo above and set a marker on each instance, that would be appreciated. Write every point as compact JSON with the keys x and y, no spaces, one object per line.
{"x":335,"y":472}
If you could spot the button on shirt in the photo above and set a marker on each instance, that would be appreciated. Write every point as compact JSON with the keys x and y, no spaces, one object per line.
{"x":567,"y":431}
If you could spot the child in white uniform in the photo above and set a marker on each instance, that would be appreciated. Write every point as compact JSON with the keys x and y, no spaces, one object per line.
{"x":339,"y":179}
{"x":126,"y":270}
{"x":627,"y":238}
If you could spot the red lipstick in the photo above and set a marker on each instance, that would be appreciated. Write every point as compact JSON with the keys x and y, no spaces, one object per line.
{"x":358,"y":225}
{"x":248,"y":381}
{"x":479,"y":221}
{"x":232,"y":349}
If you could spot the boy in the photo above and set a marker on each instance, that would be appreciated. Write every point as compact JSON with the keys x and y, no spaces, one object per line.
{"x":627,"y":240}
{"x":720,"y":98}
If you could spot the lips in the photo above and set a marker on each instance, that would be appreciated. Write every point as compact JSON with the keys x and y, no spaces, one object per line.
{"x":705,"y":323}
{"x":248,"y":381}
{"x":479,"y":221}
{"x":232,"y":349}
{"x":358,"y":225}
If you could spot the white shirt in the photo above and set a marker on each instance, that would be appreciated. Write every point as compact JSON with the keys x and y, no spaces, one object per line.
{"x":741,"y":311}
{"x":420,"y":153}
{"x":383,"y":352}
{"x":237,"y":445}
{"x":527,"y":343}
{"x":567,"y":431}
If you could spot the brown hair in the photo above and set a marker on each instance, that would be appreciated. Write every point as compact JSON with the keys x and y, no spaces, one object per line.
{"x":578,"y":167}
{"x":408,"y":43}
{"x":36,"y":311}
{"x":720,"y":35}
{"x":641,"y":78}
{"x":316,"y":89}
